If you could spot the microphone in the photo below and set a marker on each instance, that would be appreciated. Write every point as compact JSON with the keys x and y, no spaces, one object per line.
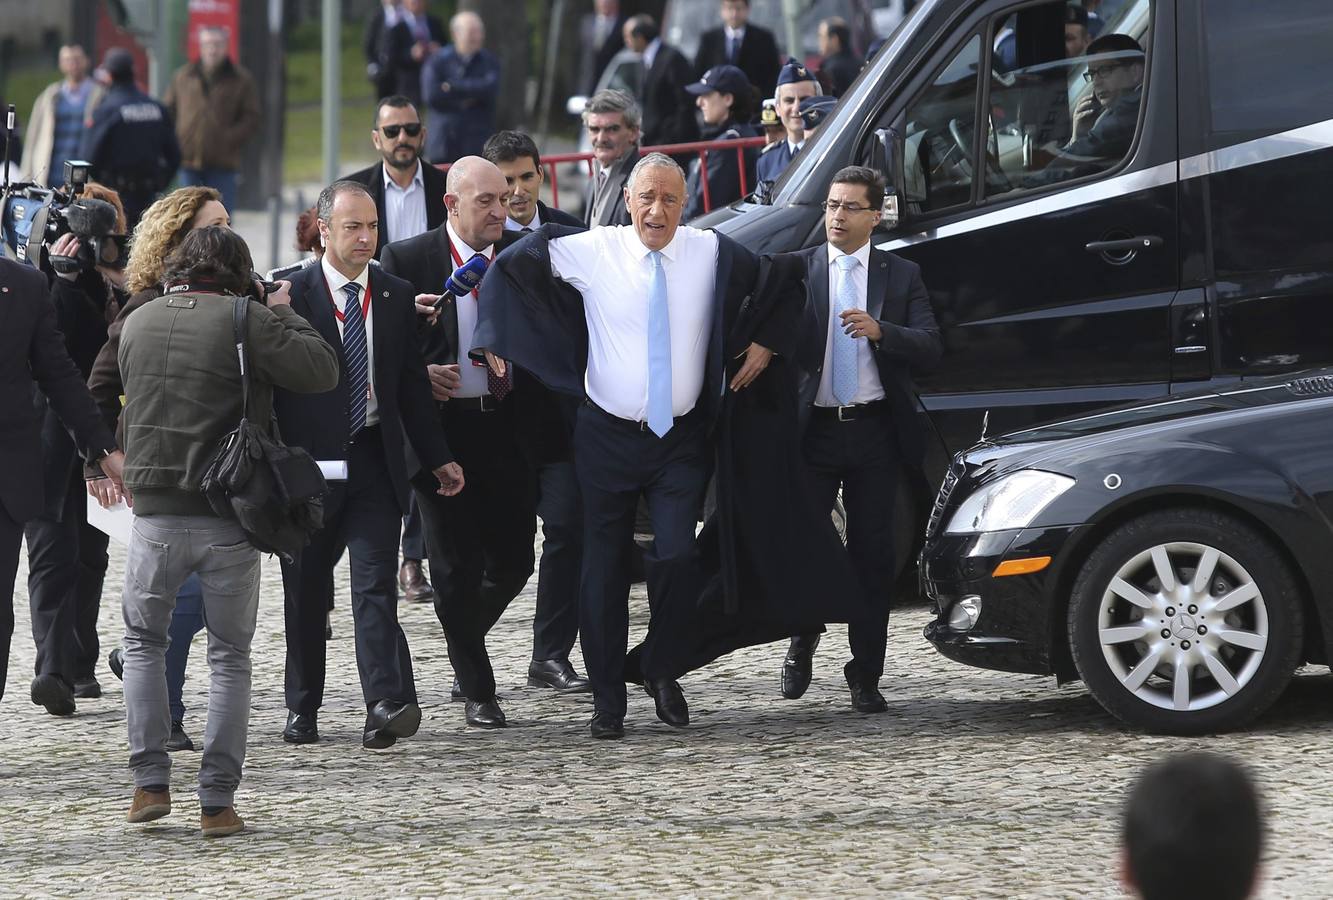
{"x":89,"y":217}
{"x":463,"y":280}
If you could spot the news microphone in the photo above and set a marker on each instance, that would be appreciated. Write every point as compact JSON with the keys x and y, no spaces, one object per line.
{"x":89,"y":217}
{"x":463,"y":280}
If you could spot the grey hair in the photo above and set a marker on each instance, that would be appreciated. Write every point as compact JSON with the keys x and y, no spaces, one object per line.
{"x":327,"y":197}
{"x":653,"y":161}
{"x":819,"y":90}
{"x":613,"y":101}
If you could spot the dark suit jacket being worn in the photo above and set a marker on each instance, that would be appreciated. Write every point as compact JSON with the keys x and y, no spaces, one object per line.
{"x":432,"y":179}
{"x":318,"y":422}
{"x":33,"y":357}
{"x":668,"y":109}
{"x":615,"y":212}
{"x":758,"y":58}
{"x":896,"y":296}
{"x":558,"y":216}
{"x":378,"y":47}
{"x":596,"y":57}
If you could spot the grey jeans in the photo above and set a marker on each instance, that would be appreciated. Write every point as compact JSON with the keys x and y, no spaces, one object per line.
{"x":163,"y":552}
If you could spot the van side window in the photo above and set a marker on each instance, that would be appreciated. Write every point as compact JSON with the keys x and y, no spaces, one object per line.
{"x":1270,"y":67}
{"x":1062,"y":103}
{"x":940,"y":126}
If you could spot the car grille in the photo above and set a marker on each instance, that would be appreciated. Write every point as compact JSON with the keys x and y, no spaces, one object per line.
{"x":942,"y":497}
{"x":1311,"y":387}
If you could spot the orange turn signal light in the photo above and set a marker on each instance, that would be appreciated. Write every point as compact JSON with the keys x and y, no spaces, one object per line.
{"x":1025,"y":566}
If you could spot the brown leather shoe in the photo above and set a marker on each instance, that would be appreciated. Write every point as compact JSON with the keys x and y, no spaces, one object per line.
{"x":221,"y":825}
{"x":416,"y":589}
{"x":149,"y":805}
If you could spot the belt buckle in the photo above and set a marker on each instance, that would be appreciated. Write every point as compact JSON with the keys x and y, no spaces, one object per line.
{"x":488,"y":403}
{"x":844,"y":418}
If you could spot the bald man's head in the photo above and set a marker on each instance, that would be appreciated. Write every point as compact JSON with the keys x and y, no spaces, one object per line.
{"x":477,"y":198}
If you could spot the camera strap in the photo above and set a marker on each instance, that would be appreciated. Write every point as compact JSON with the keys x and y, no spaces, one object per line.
{"x":239,"y":310}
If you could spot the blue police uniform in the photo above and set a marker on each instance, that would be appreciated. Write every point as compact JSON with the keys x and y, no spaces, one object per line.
{"x":132,"y":147}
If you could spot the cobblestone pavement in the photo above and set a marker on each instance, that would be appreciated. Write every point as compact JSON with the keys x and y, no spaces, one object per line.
{"x":975,"y":784}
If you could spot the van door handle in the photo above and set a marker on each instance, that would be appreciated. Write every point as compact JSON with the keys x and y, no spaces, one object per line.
{"x":1126,"y":245}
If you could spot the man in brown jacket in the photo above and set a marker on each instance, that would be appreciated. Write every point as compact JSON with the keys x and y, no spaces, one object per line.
{"x":216,"y":110}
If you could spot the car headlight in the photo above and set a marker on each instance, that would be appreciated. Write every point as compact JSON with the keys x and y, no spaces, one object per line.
{"x":1011,"y":502}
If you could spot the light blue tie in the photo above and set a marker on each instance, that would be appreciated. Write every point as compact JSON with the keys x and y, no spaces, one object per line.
{"x":356,"y":371}
{"x":844,"y":345}
{"x":659,"y":351}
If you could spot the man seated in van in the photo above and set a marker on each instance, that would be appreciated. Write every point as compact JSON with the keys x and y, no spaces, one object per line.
{"x":1105,"y":120}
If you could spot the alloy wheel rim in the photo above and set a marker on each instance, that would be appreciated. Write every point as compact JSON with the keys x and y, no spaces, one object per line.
{"x":1183,"y":626}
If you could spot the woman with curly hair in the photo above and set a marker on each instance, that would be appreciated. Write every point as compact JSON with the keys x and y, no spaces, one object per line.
{"x":163,"y":226}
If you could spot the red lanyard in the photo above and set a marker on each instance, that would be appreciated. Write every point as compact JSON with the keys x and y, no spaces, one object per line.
{"x":365,"y":303}
{"x":458,"y":261}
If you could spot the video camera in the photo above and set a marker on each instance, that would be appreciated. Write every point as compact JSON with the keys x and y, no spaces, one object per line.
{"x":32,"y":218}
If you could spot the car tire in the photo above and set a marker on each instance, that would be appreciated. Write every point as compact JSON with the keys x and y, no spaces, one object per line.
{"x":1148,"y":650}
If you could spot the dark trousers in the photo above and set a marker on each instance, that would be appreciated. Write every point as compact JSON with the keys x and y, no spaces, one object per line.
{"x":617,"y":462}
{"x":414,"y":538}
{"x":11,"y":536}
{"x":861,"y":457}
{"x":480,"y":542}
{"x":555,"y":624}
{"x":361,"y":516}
{"x":67,"y":563}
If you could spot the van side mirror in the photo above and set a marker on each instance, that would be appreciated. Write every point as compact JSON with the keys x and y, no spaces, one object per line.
{"x":886,"y":157}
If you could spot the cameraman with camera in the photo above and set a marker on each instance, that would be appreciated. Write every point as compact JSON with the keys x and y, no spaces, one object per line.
{"x":182,"y":377}
{"x":67,"y":558}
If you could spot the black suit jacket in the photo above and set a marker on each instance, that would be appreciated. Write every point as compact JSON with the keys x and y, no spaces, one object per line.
{"x":668,"y":109}
{"x":406,"y":70}
{"x":431,"y":178}
{"x":32,"y":358}
{"x":318,"y":422}
{"x":595,"y":58}
{"x":896,"y":296}
{"x":758,"y":58}
{"x":378,"y":44}
{"x":615,"y":213}
{"x":558,"y":216}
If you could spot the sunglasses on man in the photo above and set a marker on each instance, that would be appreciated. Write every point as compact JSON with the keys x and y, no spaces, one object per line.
{"x":391,"y":131}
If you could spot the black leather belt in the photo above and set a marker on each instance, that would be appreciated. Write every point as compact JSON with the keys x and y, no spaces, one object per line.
{"x":635,"y":423}
{"x":851,"y":413}
{"x":484,"y":403}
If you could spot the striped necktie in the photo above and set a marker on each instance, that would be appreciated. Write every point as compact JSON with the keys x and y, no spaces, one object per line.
{"x":356,"y":361}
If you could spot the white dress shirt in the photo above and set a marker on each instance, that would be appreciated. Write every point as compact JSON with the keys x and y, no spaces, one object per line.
{"x":511,"y":225}
{"x":868,"y":387}
{"x":335,"y":281}
{"x":733,"y":34}
{"x":650,"y":53}
{"x":611,"y":268}
{"x":474,"y":376}
{"x":404,"y":208}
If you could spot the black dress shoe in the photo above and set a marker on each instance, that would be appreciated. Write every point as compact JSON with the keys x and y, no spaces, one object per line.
{"x":87,"y":688}
{"x":607,"y":726}
{"x":52,"y":692}
{"x":388,"y":721}
{"x":866,"y":697}
{"x":670,"y":702}
{"x":301,"y":728}
{"x":179,"y":740}
{"x":116,"y":660}
{"x":484,"y":714}
{"x":456,"y":694}
{"x":796,"y":668}
{"x":558,"y":675}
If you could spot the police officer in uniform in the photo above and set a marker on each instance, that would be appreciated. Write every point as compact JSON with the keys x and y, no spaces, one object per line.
{"x":795,"y":83}
{"x":726,"y":101}
{"x":130,"y":140}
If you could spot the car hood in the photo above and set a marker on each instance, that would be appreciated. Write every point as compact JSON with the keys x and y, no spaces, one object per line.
{"x":1077,"y":437}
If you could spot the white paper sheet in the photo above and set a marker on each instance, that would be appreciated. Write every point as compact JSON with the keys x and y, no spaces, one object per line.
{"x":115,"y":521}
{"x":333,"y":469}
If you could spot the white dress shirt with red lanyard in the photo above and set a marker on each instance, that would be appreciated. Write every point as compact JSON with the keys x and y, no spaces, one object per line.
{"x":474,"y":376}
{"x":336,"y":280}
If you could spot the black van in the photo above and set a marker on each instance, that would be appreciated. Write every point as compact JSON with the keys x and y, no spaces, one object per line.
{"x":1199,"y":249}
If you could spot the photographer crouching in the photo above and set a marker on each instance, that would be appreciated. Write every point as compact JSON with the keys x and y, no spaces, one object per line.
{"x":67,"y":557}
{"x":178,"y":361}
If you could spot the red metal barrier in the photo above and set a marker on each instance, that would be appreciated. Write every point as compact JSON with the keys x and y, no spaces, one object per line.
{"x":702,"y":148}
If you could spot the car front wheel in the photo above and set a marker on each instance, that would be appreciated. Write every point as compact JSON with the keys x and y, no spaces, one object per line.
{"x":1185,"y":621}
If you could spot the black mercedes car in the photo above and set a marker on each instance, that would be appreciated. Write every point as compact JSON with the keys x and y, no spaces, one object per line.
{"x":1177,"y":555}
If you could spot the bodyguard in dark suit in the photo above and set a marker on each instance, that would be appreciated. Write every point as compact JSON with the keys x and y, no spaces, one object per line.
{"x":737,"y":42}
{"x":33,"y":358}
{"x":379,"y":46}
{"x":418,"y":36}
{"x":480,"y":543}
{"x":382,"y":393}
{"x":875,"y":325}
{"x":613,"y":122}
{"x":417,"y":188}
{"x":668,"y":111}
{"x":600,"y":39}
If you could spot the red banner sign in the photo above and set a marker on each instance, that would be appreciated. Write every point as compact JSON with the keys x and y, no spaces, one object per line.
{"x":225,"y":14}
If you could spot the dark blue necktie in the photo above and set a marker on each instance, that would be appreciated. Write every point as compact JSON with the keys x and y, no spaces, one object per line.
{"x":733,"y":49}
{"x":356,"y":361}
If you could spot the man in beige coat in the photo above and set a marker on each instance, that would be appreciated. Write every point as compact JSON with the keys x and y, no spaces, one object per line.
{"x":56,"y":125}
{"x":216,"y":110}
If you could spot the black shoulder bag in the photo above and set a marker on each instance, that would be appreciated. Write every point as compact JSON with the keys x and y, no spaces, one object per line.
{"x":274,"y":492}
